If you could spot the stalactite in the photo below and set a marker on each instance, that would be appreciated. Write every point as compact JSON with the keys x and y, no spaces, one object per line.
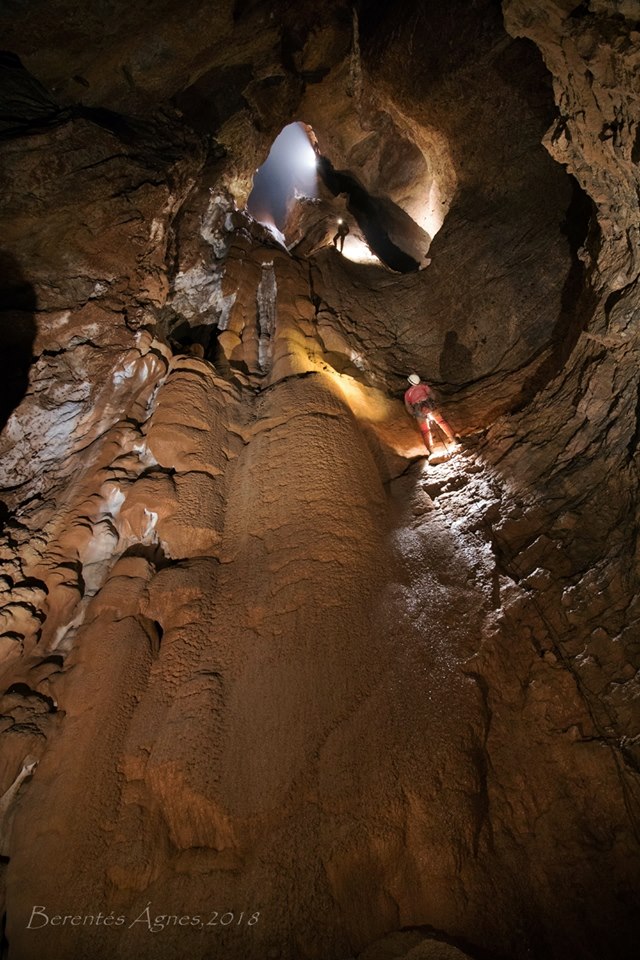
{"x":354,"y":87}
{"x":266,"y":302}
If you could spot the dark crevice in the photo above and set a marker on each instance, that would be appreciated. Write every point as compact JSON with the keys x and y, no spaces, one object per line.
{"x":5,"y":515}
{"x":635,"y":152}
{"x":24,"y":102}
{"x":578,"y":300}
{"x":32,"y":583}
{"x":635,"y":439}
{"x":581,"y":10}
{"x":23,"y":690}
{"x":155,"y":633}
{"x":75,"y":566}
{"x":153,"y":553}
{"x":214,"y":97}
{"x":372,"y":215}
{"x":55,"y":659}
{"x":157,"y":470}
{"x":4,"y":942}
{"x":197,"y":340}
{"x":18,"y":329}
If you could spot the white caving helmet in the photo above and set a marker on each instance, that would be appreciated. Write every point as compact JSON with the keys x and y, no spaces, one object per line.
{"x":414,"y":379}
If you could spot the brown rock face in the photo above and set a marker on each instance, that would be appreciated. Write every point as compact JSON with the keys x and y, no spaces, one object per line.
{"x":273,"y":686}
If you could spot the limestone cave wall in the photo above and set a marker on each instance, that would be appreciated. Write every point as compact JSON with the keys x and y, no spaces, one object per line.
{"x":257,"y":655}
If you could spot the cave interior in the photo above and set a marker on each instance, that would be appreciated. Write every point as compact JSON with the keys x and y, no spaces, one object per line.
{"x":275,"y":683}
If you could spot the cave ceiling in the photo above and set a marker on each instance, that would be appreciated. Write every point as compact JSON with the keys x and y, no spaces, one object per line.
{"x":252,"y":641}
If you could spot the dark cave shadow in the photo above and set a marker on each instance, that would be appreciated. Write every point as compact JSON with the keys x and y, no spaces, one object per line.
{"x":183,"y":337}
{"x":24,"y":102}
{"x":371,"y":213}
{"x":18,"y":329}
{"x":578,"y":299}
{"x":456,"y":360}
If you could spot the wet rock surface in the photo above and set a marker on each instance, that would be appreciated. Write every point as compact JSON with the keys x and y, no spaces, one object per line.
{"x":259,"y":658}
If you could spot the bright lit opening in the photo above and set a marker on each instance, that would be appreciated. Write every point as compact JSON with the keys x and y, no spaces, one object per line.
{"x":288,"y":174}
{"x":358,"y":251}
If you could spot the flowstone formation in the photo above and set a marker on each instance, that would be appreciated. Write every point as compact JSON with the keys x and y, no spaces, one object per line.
{"x":272,"y":687}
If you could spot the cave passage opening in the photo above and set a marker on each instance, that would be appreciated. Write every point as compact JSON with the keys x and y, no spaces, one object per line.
{"x":287,"y":175}
{"x":379,"y":230}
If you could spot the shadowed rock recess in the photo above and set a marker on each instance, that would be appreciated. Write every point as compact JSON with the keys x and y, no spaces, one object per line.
{"x":273,"y":686}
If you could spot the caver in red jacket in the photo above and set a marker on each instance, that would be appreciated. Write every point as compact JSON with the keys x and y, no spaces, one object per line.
{"x":420,"y":402}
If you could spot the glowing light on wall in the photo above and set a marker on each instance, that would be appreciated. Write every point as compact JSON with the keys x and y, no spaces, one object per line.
{"x":358,"y":251}
{"x":306,"y":154}
{"x":432,"y":216}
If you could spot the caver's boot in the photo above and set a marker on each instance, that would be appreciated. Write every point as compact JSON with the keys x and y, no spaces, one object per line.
{"x":444,"y":451}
